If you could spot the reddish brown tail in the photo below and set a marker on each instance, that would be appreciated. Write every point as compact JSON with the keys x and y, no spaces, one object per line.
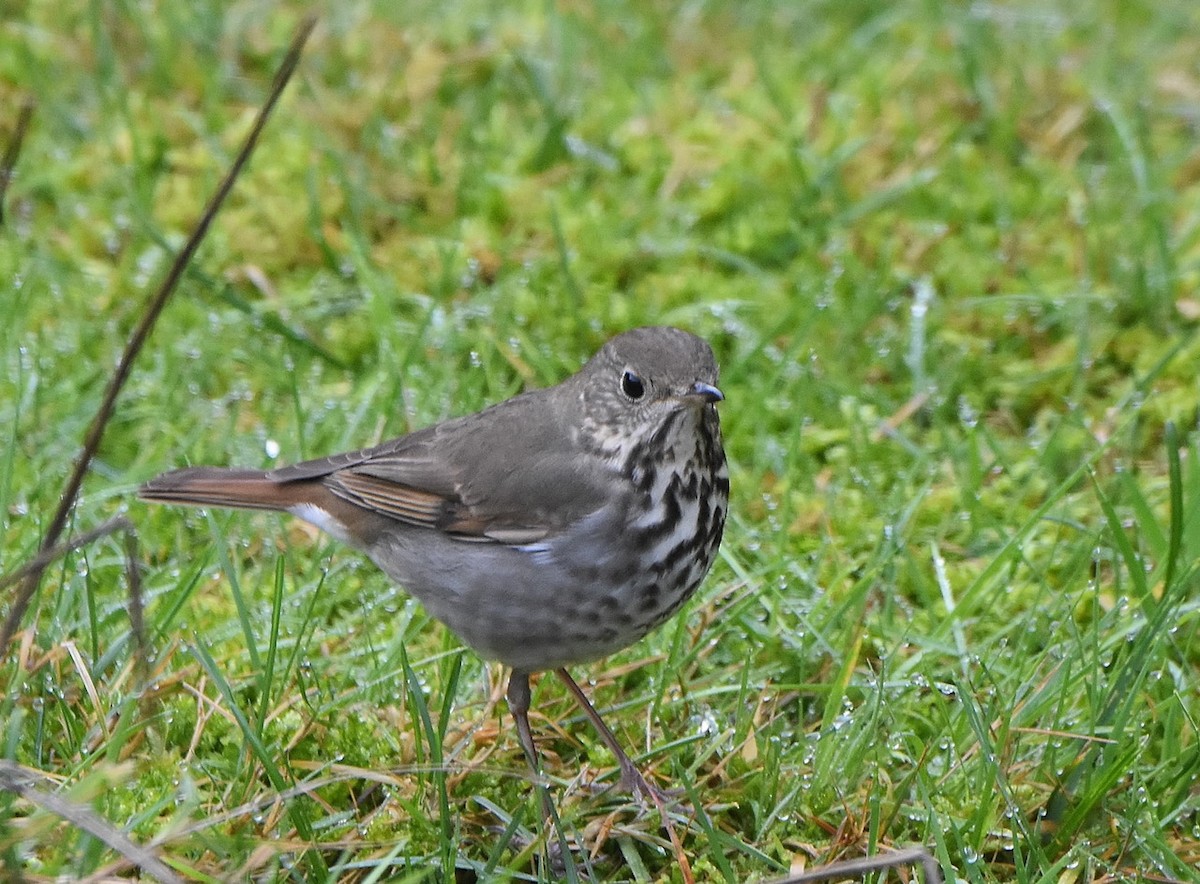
{"x":215,"y":486}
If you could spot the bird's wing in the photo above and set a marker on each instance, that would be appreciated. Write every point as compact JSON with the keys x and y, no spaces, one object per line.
{"x":505,"y":475}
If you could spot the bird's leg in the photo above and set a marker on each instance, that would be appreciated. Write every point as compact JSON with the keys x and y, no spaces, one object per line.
{"x":517,"y":695}
{"x":631,"y":777}
{"x":518,"y":704}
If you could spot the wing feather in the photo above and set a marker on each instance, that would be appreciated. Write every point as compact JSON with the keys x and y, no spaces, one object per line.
{"x":462,"y":476}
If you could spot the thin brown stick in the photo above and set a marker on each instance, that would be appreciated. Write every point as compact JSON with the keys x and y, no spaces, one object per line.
{"x":860,"y":868}
{"x":25,"y":783}
{"x":44,"y":558}
{"x":13,"y":152}
{"x":136,"y":340}
{"x":137,"y":622}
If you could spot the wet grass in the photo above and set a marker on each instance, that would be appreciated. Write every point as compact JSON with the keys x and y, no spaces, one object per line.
{"x":948,"y":256}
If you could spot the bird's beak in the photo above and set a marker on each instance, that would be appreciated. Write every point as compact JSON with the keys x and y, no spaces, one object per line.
{"x":706,"y":392}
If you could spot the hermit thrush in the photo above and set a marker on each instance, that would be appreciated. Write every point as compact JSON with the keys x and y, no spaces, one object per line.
{"x":551,"y":529}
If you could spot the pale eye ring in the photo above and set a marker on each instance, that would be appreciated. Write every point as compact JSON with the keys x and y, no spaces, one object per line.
{"x":632,"y":385}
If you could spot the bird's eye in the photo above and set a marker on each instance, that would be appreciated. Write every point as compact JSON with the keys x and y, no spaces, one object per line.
{"x":632,"y":385}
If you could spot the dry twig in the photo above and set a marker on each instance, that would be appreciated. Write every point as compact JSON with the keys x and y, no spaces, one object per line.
{"x":13,"y":151}
{"x":138,"y":338}
{"x":14,"y":778}
{"x":860,"y":868}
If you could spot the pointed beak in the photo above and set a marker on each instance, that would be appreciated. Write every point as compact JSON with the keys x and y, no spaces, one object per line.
{"x":707,"y":392}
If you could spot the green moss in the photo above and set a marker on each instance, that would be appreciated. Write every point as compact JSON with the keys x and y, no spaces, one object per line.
{"x":948,"y":528}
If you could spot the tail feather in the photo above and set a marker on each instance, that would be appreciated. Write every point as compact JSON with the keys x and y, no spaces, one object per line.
{"x":215,"y":486}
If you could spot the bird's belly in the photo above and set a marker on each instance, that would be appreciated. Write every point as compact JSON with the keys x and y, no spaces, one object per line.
{"x":546,"y":605}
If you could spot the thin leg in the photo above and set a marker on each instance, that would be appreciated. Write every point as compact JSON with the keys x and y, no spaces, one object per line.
{"x":631,"y":777}
{"x":518,"y":704}
{"x":517,"y":695}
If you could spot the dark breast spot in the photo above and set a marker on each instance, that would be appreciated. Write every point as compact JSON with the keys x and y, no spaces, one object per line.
{"x":672,"y":513}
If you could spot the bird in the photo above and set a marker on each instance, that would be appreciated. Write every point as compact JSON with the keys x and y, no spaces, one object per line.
{"x":548,"y":530}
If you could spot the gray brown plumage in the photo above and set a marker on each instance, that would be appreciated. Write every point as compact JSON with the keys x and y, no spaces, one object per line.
{"x":551,"y":529}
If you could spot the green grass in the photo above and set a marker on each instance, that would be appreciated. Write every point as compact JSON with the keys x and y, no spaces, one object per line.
{"x":949,"y":258}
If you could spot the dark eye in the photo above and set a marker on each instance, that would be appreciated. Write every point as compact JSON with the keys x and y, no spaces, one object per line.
{"x":632,"y":386}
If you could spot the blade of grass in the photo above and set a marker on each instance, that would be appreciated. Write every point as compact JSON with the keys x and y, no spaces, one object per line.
{"x":512,"y":827}
{"x":437,"y":767}
{"x":715,"y":840}
{"x":1177,"y":515}
{"x":166,"y":620}
{"x":295,"y":810}
{"x":235,"y":590}
{"x":24,"y":783}
{"x":1133,"y":561}
{"x":268,"y":672}
{"x":141,"y":333}
{"x":1102,"y":766}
